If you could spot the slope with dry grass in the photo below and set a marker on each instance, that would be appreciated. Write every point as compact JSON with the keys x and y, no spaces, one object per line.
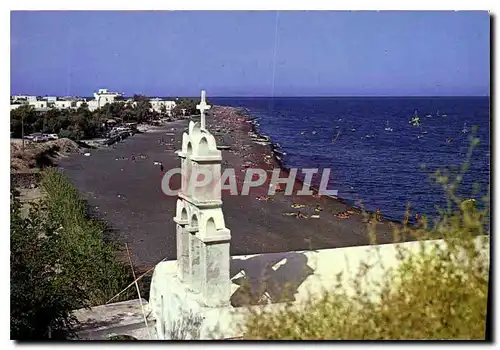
{"x":39,"y":155}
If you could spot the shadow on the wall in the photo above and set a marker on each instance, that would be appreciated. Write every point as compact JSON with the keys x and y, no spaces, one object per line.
{"x":268,"y":278}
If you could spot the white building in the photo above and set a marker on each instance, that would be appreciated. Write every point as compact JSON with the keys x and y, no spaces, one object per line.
{"x":38,"y":104}
{"x":157,"y":105}
{"x":23,"y":98}
{"x":101,"y":97}
{"x":80,"y":103}
{"x":19,"y":100}
{"x":45,"y":103}
{"x":19,"y":97}
{"x":62,"y":104}
{"x":93,"y":105}
{"x":104,"y":96}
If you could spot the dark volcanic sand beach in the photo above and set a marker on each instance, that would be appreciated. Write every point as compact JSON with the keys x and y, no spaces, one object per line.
{"x":127,"y":194}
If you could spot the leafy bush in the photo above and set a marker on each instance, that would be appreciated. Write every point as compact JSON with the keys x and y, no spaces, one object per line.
{"x":440,"y":292}
{"x":23,"y":116}
{"x":40,"y":296}
{"x":60,"y":261}
{"x":89,"y":255}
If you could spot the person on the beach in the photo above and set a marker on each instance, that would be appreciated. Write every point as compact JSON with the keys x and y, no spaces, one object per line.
{"x":301,"y":215}
{"x":378,"y":215}
{"x":406,"y":218}
{"x":342,"y":215}
{"x":161,"y":167}
{"x":278,"y":188}
{"x":423,"y":221}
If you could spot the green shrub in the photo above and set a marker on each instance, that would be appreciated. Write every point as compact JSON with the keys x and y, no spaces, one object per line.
{"x":60,"y":261}
{"x":88,"y":253}
{"x":41,"y":298}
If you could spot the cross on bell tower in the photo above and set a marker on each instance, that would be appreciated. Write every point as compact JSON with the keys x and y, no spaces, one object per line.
{"x":203,"y":106}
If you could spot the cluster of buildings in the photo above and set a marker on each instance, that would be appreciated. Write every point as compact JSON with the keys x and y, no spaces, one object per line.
{"x":101,"y":98}
{"x":42,"y":103}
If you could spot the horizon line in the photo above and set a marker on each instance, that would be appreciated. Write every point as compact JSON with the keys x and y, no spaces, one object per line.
{"x":349,"y":96}
{"x":267,"y":96}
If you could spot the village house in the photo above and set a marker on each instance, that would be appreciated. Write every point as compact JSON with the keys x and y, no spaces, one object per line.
{"x":157,"y":105}
{"x":62,"y":104}
{"x":50,"y":99}
{"x":78,"y":104}
{"x":93,"y":105}
{"x":22,"y":98}
{"x":38,"y":104}
{"x":102,"y":97}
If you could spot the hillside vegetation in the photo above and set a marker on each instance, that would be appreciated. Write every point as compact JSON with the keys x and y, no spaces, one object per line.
{"x":61,"y":260}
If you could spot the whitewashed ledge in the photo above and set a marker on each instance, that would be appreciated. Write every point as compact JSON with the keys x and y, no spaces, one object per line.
{"x":122,"y":318}
{"x":307,"y":273}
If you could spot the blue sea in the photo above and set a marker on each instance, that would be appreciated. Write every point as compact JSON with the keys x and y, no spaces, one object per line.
{"x":371,"y":166}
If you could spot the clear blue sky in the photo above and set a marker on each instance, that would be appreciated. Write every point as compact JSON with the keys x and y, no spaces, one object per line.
{"x":233,"y":53}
